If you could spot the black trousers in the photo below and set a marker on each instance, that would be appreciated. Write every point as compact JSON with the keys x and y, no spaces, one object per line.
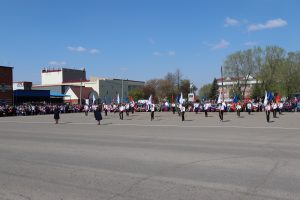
{"x":121,"y":115}
{"x":182,"y":116}
{"x":152,"y":115}
{"x":274,"y":113}
{"x":221,"y":114}
{"x":268,"y":115}
{"x":238,"y":112}
{"x":205,"y":113}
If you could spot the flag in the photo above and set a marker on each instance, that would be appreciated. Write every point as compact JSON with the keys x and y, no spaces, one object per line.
{"x":195,"y":98}
{"x":270,"y":96}
{"x":277,"y":99}
{"x":181,"y":99}
{"x":220,"y":98}
{"x":118,"y":98}
{"x":172,"y":99}
{"x":94,"y":98}
{"x":266,"y":98}
{"x":235,"y":98}
{"x":150,"y":99}
{"x":130,"y":98}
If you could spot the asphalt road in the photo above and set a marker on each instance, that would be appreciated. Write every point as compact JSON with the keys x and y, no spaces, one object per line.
{"x":138,"y":159}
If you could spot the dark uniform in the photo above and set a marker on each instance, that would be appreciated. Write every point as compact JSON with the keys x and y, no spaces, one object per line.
{"x":98,"y":115}
{"x":56,"y":114}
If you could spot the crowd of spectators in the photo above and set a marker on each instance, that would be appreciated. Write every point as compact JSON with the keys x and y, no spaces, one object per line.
{"x":41,"y":109}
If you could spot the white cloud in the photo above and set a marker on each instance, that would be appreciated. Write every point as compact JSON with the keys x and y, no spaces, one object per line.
{"x":250,"y":43}
{"x":275,"y":23}
{"x":151,"y":41}
{"x":171,"y":53}
{"x":77,"y":49}
{"x":57,"y":63}
{"x":221,"y":45}
{"x":94,"y":51}
{"x":168,"y":53}
{"x":231,"y":22}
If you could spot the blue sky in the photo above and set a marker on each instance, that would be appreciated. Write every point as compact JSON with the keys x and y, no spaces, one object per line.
{"x":140,"y":39}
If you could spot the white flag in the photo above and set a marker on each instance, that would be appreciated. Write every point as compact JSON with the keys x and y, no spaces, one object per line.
{"x":150,"y":99}
{"x":181,"y":99}
{"x":118,"y":99}
{"x":220,"y":98}
{"x":266,"y":98}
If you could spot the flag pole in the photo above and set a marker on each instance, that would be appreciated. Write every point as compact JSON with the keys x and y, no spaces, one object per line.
{"x":222,"y":83}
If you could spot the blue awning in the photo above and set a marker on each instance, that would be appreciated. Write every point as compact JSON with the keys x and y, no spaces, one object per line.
{"x":55,"y":94}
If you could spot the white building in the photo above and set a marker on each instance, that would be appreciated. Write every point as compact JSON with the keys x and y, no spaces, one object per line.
{"x":230,"y":82}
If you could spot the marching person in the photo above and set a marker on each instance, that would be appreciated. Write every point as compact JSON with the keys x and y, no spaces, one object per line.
{"x":127,"y":109}
{"x":152,"y":108}
{"x":268,"y":109}
{"x":97,"y":113}
{"x":56,"y":114}
{"x":132,"y":107}
{"x":105,"y":109}
{"x":280,"y":107}
{"x":249,"y":106}
{"x":222,"y":106}
{"x":86,"y":109}
{"x":182,"y":112}
{"x":238,"y":109}
{"x":274,"y":106}
{"x":121,"y":110}
{"x":173,"y":107}
{"x":206,"y":107}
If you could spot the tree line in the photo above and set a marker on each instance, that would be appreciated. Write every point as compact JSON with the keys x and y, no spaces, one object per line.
{"x":274,"y":69}
{"x":165,"y":89}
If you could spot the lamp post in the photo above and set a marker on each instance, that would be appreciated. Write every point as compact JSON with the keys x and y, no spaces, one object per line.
{"x":122,"y":89}
{"x":80,"y":90}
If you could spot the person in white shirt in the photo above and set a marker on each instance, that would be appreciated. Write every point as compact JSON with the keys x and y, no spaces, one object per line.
{"x":268,"y":109}
{"x":121,"y":110}
{"x":206,"y":107}
{"x":249,"y":106}
{"x":127,"y":109}
{"x":238,"y":109}
{"x":182,"y":109}
{"x":222,"y":107}
{"x":152,"y":108}
{"x":280,"y":107}
{"x":173,"y":107}
{"x":274,"y":106}
{"x":86,"y":109}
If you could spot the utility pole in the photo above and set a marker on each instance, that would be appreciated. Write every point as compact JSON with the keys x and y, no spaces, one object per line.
{"x":122,"y":89}
{"x":80,"y":91}
{"x":222,"y":83}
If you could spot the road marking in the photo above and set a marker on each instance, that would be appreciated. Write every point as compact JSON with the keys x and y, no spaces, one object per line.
{"x":159,"y":125}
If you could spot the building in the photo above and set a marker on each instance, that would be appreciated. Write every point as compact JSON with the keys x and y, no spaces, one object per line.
{"x":22,"y":85}
{"x":230,"y":82}
{"x":75,"y":93}
{"x":108,"y":89}
{"x":60,"y":80}
{"x":62,"y":75}
{"x":6,"y":85}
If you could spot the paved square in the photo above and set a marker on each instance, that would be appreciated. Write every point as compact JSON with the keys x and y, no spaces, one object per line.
{"x":138,"y":159}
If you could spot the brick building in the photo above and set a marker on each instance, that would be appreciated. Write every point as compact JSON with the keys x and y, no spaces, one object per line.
{"x":6,"y":85}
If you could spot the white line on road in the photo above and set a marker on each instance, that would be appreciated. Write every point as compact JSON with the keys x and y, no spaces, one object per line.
{"x":160,"y":125}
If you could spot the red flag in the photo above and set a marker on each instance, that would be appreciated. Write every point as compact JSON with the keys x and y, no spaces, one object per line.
{"x":172,"y":99}
{"x":195,"y":98}
{"x":130,"y":98}
{"x":277,"y":99}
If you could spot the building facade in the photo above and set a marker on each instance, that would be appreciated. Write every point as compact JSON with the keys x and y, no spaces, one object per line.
{"x":62,"y":75}
{"x":6,"y":85}
{"x":230,"y":82}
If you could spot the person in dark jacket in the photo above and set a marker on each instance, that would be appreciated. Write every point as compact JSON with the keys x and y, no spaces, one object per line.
{"x":56,"y":114}
{"x":98,"y":115}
